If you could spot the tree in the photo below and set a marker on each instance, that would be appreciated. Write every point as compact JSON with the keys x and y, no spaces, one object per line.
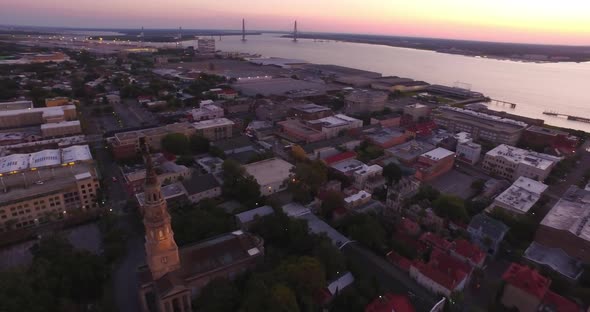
{"x":331,"y":258}
{"x":192,"y":223}
{"x":478,"y":185}
{"x":304,"y":274}
{"x":199,"y":144}
{"x":8,"y":89}
{"x":452,"y":207}
{"x":309,"y":177}
{"x":282,"y":299}
{"x":365,"y":229}
{"x":298,"y":153}
{"x":176,"y":143}
{"x":185,"y":160}
{"x":239,"y":185}
{"x":60,"y":278}
{"x":332,"y":200}
{"x":220,"y":295}
{"x":392,"y":172}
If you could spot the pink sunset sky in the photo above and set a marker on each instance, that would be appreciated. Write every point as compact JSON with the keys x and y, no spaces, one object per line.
{"x":533,"y":21}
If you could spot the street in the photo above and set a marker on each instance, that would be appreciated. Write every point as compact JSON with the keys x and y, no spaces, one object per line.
{"x":390,"y":277}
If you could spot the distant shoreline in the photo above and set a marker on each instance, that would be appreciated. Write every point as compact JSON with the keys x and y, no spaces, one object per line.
{"x":530,"y":53}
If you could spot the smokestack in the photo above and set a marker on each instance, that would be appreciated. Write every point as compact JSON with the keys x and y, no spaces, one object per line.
{"x":295,"y":32}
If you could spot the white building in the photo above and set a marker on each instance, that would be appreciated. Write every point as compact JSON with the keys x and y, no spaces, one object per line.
{"x":271,"y":174}
{"x":206,"y":111}
{"x":214,"y":129}
{"x":521,"y":196}
{"x":511,"y":163}
{"x":468,"y":152}
{"x":69,"y":156}
{"x":368,"y":177}
{"x":356,"y":200}
{"x":417,"y":111}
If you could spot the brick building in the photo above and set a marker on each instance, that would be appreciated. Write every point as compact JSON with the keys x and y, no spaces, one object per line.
{"x":433,"y":164}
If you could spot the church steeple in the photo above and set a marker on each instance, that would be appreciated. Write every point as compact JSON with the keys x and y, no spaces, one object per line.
{"x":160,"y":247}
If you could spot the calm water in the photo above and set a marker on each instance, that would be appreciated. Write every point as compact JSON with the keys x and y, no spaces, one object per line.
{"x":562,"y":87}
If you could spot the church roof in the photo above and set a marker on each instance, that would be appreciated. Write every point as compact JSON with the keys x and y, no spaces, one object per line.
{"x":206,"y":256}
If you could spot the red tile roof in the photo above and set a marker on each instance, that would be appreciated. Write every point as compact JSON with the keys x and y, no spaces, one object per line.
{"x":340,"y":157}
{"x":389,"y":303}
{"x":527,"y":279}
{"x":435,"y":241}
{"x":444,"y":269}
{"x":469,"y":251}
{"x":559,"y":303}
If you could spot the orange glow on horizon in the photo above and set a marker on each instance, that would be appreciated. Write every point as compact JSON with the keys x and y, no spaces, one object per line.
{"x":535,"y":21}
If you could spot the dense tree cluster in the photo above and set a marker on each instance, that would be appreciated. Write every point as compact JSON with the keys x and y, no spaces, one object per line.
{"x":367,"y":152}
{"x":195,"y":222}
{"x":239,"y":185}
{"x":309,"y":176}
{"x":176,"y":143}
{"x":296,"y":265}
{"x":60,"y":278}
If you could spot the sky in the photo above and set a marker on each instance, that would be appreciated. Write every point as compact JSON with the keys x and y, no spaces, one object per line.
{"x":530,"y":21}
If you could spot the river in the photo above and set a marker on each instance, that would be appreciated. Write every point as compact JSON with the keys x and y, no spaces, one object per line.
{"x":535,"y":87}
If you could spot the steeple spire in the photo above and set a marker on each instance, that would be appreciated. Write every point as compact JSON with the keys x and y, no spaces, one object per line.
{"x":161,"y":249}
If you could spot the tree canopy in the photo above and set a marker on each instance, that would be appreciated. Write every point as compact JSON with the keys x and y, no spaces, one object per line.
{"x":450,"y":206}
{"x":193,"y":223}
{"x":392,"y":173}
{"x":239,"y":185}
{"x":309,"y":177}
{"x":60,"y":278}
{"x":176,"y":143}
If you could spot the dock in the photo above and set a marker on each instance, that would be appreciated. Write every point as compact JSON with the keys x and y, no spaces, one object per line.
{"x":569,"y":117}
{"x":500,"y":102}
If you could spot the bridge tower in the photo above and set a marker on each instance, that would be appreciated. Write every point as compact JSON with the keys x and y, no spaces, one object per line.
{"x":243,"y":29}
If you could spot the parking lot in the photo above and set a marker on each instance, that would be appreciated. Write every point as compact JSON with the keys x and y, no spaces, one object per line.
{"x":456,"y":183}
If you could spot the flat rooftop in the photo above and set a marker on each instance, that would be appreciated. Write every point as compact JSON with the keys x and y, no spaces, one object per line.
{"x":556,"y":259}
{"x":546,"y":131}
{"x":438,"y":154}
{"x":46,"y":111}
{"x":410,"y":150}
{"x":6,"y":106}
{"x":279,"y":86}
{"x":27,"y":184}
{"x":518,"y":155}
{"x":348,"y":165}
{"x":219,"y":122}
{"x":522,"y":195}
{"x":336,"y":70}
{"x":571,"y":213}
{"x":310,"y":108}
{"x":482,"y":119}
{"x":384,"y":135}
{"x":269,"y":171}
{"x":60,"y":124}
